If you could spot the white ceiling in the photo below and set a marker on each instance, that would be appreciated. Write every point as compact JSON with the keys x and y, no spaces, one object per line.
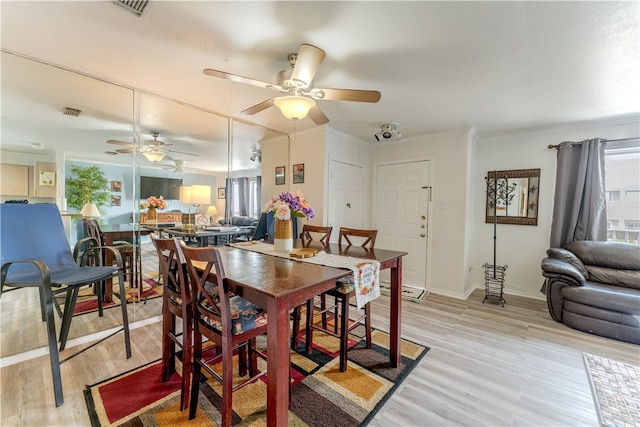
{"x":497,"y":66}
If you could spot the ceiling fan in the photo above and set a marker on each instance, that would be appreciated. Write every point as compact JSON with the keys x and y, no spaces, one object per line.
{"x":296,"y":87}
{"x":152,"y":149}
{"x":177,"y":167}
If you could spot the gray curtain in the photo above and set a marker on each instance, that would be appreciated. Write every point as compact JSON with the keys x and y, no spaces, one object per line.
{"x":243,"y":196}
{"x":579,"y":204}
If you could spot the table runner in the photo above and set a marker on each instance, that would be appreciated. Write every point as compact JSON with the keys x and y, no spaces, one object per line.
{"x":366,"y":272}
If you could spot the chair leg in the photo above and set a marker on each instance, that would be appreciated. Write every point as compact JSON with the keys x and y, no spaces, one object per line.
{"x":125,"y":316}
{"x":308,"y":328}
{"x":168,"y":346}
{"x":227,"y":385}
{"x":296,"y":327}
{"x":323,"y":309}
{"x":69,"y":306}
{"x":344,"y":331}
{"x":186,"y":361}
{"x":367,"y":323}
{"x":47,"y":298}
{"x":195,"y":377}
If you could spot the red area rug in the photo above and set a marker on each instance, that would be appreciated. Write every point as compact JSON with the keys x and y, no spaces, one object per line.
{"x":321,"y":394}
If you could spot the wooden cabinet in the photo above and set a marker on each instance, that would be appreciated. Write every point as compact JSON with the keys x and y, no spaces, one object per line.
{"x":164,"y":217}
{"x":14,"y":180}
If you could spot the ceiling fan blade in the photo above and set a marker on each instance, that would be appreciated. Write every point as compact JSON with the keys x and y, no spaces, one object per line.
{"x":182,"y":152}
{"x":125,"y":150}
{"x":307,"y":63}
{"x":259,"y":107}
{"x":236,"y":78}
{"x":115,"y":141}
{"x":350,"y":95}
{"x":318,"y":116}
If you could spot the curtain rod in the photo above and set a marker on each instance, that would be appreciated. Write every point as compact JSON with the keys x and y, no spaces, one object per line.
{"x":556,"y":146}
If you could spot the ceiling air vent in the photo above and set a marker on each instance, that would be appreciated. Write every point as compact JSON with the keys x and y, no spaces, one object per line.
{"x":68,"y":111}
{"x":135,"y":7}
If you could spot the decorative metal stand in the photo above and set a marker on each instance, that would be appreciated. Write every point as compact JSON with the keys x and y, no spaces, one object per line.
{"x":500,"y":193}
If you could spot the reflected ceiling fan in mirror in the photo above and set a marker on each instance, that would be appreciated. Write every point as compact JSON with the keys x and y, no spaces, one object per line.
{"x":296,"y":87}
{"x":177,"y":167}
{"x":153,"y":149}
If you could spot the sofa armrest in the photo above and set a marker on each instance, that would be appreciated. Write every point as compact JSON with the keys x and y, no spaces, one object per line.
{"x":555,"y":268}
{"x":568,"y":256}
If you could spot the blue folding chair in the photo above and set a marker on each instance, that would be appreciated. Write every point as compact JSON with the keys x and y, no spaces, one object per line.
{"x":35,"y":253}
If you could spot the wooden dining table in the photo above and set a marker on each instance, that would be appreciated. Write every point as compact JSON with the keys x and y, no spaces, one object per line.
{"x":279,"y":284}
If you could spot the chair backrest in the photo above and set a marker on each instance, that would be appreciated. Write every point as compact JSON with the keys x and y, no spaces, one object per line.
{"x":261,"y":229}
{"x":210,"y":301}
{"x":93,"y":229}
{"x":33,"y":231}
{"x":175,"y":281}
{"x":308,"y":229}
{"x":369,"y":236}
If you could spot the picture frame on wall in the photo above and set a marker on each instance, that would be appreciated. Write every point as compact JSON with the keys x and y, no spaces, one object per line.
{"x":222,"y":193}
{"x":116,"y":200}
{"x":47,"y":179}
{"x":280,"y":175}
{"x":298,"y":173}
{"x":116,"y":186}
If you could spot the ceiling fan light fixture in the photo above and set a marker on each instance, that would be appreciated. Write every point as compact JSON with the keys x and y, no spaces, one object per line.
{"x":154,"y":156}
{"x":294,"y":107}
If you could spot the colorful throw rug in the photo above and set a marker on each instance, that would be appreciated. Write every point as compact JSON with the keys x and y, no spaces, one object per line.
{"x":88,"y":302}
{"x":321,"y":394}
{"x":616,"y":390}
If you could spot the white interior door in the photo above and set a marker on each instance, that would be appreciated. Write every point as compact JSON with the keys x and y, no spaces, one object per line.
{"x":346,"y":196}
{"x":401,"y":216}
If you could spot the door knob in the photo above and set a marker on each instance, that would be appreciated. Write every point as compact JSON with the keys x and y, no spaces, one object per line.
{"x":423,"y":217}
{"x":349,"y":205}
{"x":422,"y":234}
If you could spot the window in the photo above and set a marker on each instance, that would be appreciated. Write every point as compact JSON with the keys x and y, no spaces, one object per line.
{"x":253,"y":208}
{"x":622,"y":184}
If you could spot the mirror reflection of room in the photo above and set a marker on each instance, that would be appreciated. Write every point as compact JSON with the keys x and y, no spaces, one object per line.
{"x":512,"y":196}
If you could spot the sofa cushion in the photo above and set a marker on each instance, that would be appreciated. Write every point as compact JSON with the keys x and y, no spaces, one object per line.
{"x":614,"y":276}
{"x":608,"y":297}
{"x":624,"y":256}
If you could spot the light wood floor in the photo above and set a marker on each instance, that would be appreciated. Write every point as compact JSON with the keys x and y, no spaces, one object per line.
{"x":488,"y":366}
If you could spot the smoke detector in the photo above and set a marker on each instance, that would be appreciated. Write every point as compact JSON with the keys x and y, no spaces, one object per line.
{"x":389,"y":130}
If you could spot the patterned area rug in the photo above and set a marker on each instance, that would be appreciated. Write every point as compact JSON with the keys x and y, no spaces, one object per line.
{"x":88,"y":302}
{"x":616,"y":390}
{"x":321,"y":394}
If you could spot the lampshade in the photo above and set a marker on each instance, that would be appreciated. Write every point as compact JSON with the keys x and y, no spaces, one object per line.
{"x":201,"y":194}
{"x":153,"y":156}
{"x":212,"y":211}
{"x":185,"y":194}
{"x":89,"y":209}
{"x":294,"y":107}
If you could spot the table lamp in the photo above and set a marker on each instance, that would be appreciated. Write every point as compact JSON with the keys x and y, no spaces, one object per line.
{"x":212,"y":212}
{"x":185,"y":197}
{"x":89,"y":210}
{"x":200,"y":195}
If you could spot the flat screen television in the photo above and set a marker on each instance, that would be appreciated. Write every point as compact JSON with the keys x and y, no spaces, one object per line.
{"x":169,"y":188}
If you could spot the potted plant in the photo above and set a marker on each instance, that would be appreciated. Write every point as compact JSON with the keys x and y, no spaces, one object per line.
{"x":87,"y":185}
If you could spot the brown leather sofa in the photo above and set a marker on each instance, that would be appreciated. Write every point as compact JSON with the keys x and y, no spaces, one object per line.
{"x":595,"y":287}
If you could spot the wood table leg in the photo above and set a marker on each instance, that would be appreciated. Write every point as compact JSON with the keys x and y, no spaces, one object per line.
{"x":108,"y":260}
{"x":396,"y":314}
{"x":278,"y":362}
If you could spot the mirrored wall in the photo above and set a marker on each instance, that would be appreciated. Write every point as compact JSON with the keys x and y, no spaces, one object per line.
{"x":203,"y":148}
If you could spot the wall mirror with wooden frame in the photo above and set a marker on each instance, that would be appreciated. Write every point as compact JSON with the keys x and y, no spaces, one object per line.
{"x":512,"y":196}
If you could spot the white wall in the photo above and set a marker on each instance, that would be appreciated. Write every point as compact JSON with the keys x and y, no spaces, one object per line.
{"x":522,"y":247}
{"x":448,"y":152}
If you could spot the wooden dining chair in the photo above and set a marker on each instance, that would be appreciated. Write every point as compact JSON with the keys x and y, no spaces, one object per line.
{"x":342,"y":294}
{"x":131,"y":256}
{"x":229,"y":321}
{"x":323,"y":234}
{"x":177,"y":303}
